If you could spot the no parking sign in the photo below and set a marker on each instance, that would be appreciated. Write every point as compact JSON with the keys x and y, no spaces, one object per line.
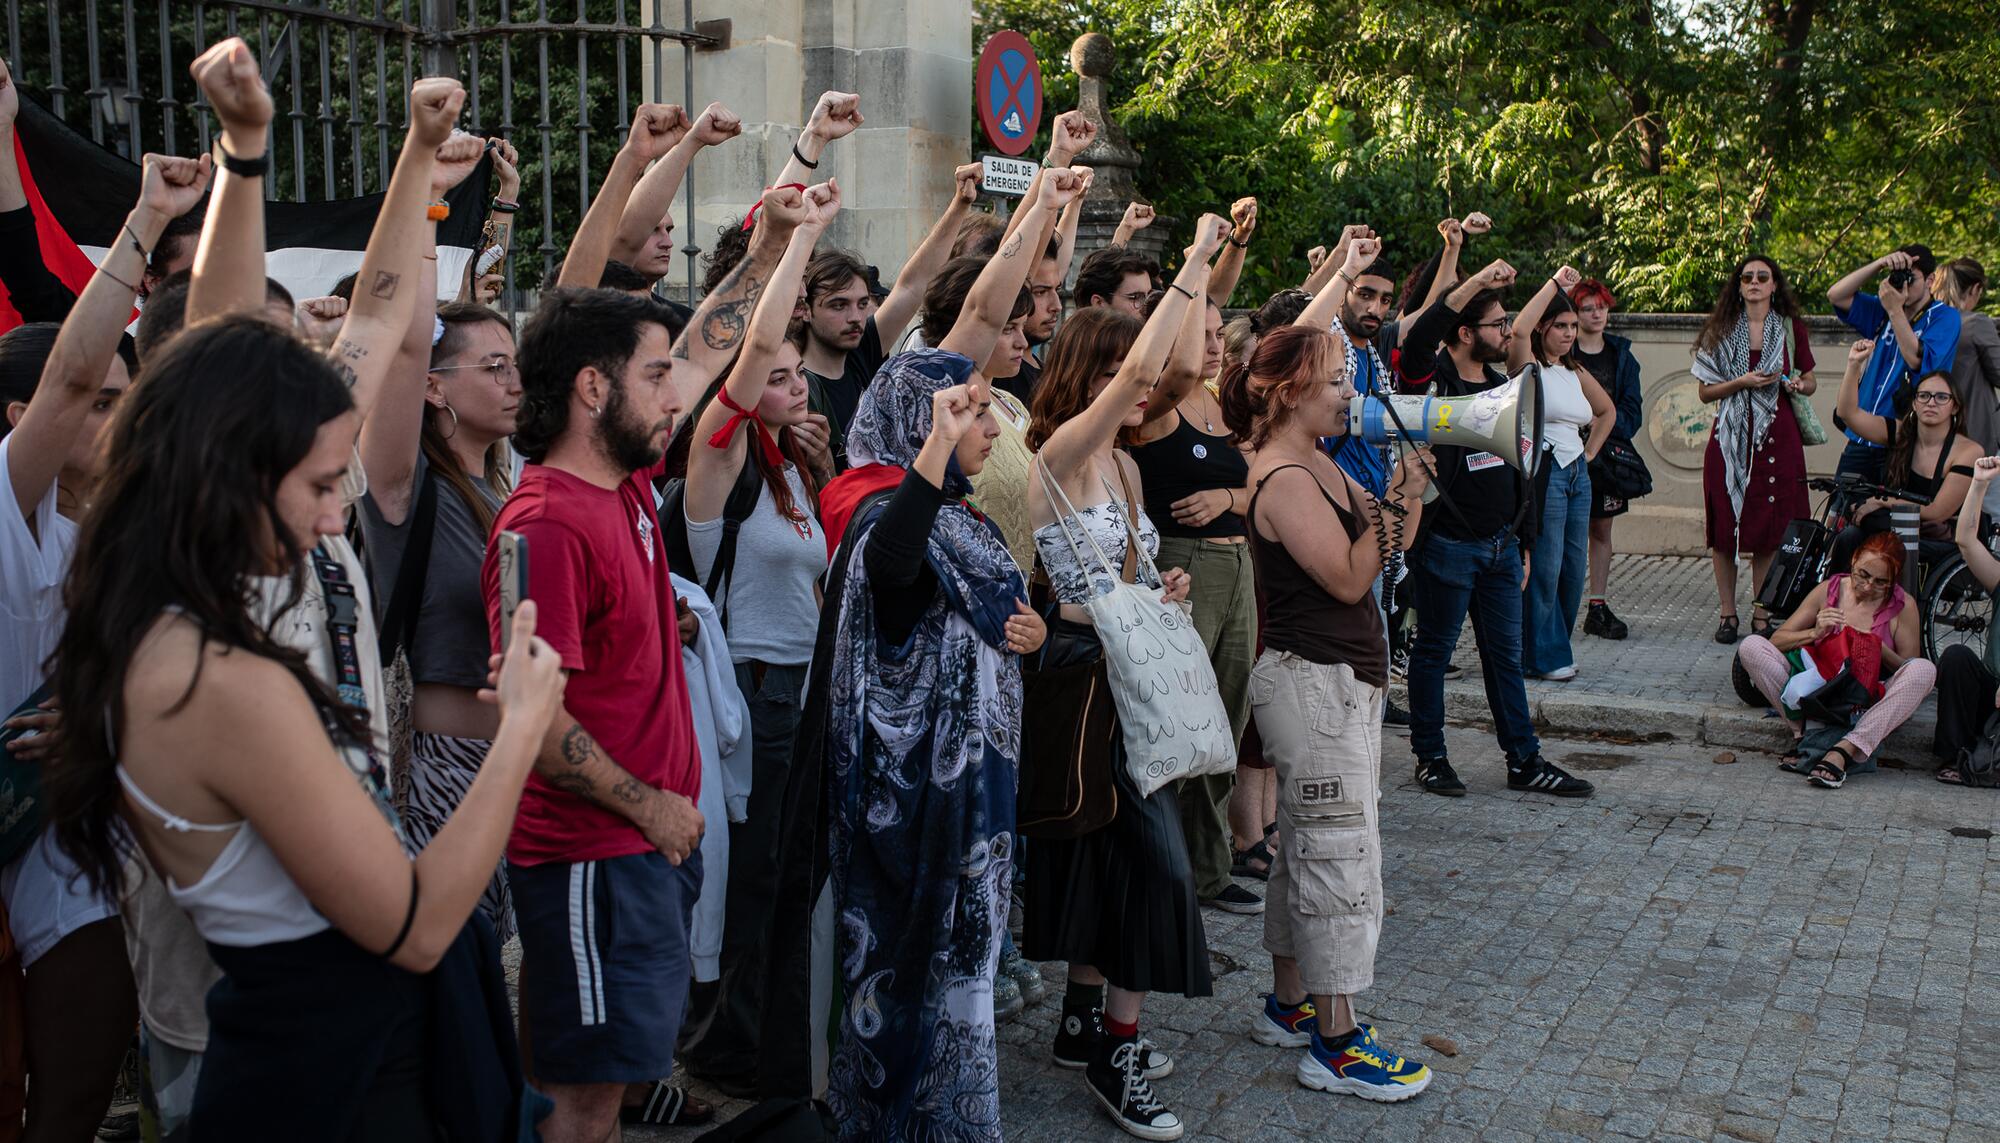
{"x":1007,"y":86}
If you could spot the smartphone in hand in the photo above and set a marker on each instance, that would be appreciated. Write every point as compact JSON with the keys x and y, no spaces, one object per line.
{"x":513,"y":556}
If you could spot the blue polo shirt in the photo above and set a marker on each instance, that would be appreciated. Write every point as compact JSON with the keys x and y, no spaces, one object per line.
{"x":1936,"y":329}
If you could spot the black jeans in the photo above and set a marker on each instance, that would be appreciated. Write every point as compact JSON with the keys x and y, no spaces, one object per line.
{"x":1965,"y":690}
{"x":724,"y":1042}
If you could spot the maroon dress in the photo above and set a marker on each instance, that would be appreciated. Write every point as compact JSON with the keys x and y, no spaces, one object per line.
{"x":1776,"y":494}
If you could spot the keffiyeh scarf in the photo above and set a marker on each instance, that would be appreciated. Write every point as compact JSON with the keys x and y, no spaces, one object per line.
{"x":1744,"y":418}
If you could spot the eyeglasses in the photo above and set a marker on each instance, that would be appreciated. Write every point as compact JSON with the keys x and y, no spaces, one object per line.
{"x":1503,"y":324}
{"x":1865,"y":579}
{"x":1136,"y":297}
{"x":494,"y":370}
{"x":1931,"y":398}
{"x":1755,"y":277}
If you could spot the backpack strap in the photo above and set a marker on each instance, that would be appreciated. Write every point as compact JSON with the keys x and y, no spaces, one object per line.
{"x":741,"y":503}
{"x":399,"y":619}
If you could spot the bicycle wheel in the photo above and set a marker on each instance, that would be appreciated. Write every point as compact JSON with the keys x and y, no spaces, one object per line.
{"x":1956,"y":609}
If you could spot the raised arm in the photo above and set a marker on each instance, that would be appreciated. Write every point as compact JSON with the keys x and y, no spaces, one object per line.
{"x":929,"y":257}
{"x":1907,"y":342}
{"x":1073,"y":214}
{"x":1523,"y":347}
{"x":712,"y":468}
{"x":836,"y":116}
{"x":656,"y":127}
{"x":33,"y":290}
{"x":1138,"y":216}
{"x":1322,"y":274}
{"x":1985,"y":568}
{"x":229,"y":260}
{"x":1069,"y":448}
{"x":715,"y":333}
{"x":73,"y":376}
{"x":498,"y":233}
{"x":654,"y":196}
{"x":1869,"y":425}
{"x":1841,"y":293}
{"x":1229,"y":268}
{"x":1069,"y":135}
{"x":1183,"y":371}
{"x":1324,"y":309}
{"x":385,"y":296}
{"x":991,"y":299}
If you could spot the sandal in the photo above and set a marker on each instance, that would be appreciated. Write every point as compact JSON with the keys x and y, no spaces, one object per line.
{"x":1951,"y":776}
{"x":1762,"y":625}
{"x":1725,"y":631}
{"x":1793,"y":761}
{"x":667,"y":1105}
{"x":1253,"y":862}
{"x":1827,"y":774}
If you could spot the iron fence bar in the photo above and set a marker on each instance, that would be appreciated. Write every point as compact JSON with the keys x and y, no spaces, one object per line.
{"x":200,"y":109}
{"x":507,"y":129}
{"x":132,"y":99}
{"x":548,"y":246}
{"x":692,"y":249}
{"x":14,"y":36}
{"x":284,"y":8}
{"x":95,"y":91}
{"x":326,"y":103}
{"x":582,"y":114}
{"x":289,"y":38}
{"x":624,"y":110}
{"x":357,"y":124}
{"x":686,"y":36}
{"x":472,"y":67}
{"x":381,"y":101}
{"x":270,"y":136}
{"x":167,"y":101}
{"x":56,"y":88}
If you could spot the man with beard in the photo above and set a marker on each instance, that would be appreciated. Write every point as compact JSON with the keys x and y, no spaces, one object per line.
{"x":607,"y":826}
{"x":1473,"y":545}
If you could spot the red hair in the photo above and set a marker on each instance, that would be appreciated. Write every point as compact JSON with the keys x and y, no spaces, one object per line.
{"x":1885,"y":546}
{"x":1592,"y":288}
{"x":1287,"y":362}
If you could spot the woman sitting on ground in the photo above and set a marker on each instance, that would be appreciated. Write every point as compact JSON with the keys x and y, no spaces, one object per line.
{"x":1929,"y":455}
{"x":1861,"y":621}
{"x":1968,"y":683}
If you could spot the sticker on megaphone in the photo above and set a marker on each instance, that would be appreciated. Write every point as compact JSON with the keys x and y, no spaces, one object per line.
{"x":1505,"y":420}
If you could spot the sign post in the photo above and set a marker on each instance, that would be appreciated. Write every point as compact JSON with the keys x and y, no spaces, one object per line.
{"x":1007,"y":86}
{"x":1005,"y":176}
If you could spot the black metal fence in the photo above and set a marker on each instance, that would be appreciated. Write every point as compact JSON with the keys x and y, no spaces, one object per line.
{"x":561,"y":86}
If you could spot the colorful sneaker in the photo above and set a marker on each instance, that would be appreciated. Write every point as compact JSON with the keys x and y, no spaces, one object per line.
{"x":1284,"y":1026}
{"x":1080,"y":1032}
{"x":1119,"y":1082}
{"x":1364,"y":1068}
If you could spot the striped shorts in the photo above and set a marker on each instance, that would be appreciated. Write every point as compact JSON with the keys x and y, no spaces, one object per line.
{"x":441,"y":770}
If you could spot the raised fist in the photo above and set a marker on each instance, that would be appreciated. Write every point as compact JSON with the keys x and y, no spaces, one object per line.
{"x":1209,"y":235}
{"x":1859,"y":352}
{"x":1452,"y":231}
{"x":783,"y":208}
{"x":319,"y":319}
{"x":456,"y":158}
{"x":965,"y":181}
{"x":171,"y":185}
{"x":822,"y":202}
{"x":1567,"y":278}
{"x":717,"y":125}
{"x":1497,"y":275}
{"x":228,"y":77}
{"x":1138,"y":216}
{"x":435,"y":102}
{"x":1361,"y":253}
{"x":1477,"y":223}
{"x":953,"y":414}
{"x":1316,"y":257}
{"x":1059,"y":186}
{"x":1087,"y":174}
{"x":1069,"y":136}
{"x":656,"y":127}
{"x":506,"y":165}
{"x":1243,"y":213}
{"x":836,"y":116}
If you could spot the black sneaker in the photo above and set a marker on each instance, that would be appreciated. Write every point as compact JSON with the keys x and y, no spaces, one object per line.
{"x":1452,"y":671}
{"x":1537,"y":775}
{"x":1395,"y":717}
{"x":1118,"y":1079}
{"x":1236,"y":899}
{"x":1081,"y":1031}
{"x":1436,"y":776}
{"x":1600,"y":622}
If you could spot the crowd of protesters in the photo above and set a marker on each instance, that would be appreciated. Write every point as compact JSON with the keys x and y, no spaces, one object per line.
{"x":748,"y":664}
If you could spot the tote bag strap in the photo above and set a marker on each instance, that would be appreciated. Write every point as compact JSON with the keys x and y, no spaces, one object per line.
{"x":1134,"y":550}
{"x":1060,"y":504}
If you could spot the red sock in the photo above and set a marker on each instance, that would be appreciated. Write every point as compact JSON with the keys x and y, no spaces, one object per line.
{"x":1120,"y":1030}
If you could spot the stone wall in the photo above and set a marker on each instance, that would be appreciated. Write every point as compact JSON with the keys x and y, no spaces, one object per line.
{"x":1676,"y":430}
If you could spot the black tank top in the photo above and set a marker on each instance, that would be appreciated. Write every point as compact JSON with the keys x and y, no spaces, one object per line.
{"x":1182,"y":463}
{"x":1929,"y":485}
{"x":1300,"y":616}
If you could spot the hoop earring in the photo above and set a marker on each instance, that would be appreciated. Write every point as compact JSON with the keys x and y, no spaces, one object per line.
{"x":454,"y":420}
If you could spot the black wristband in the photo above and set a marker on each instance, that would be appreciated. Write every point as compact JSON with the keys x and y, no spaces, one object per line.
{"x":1182,"y":289}
{"x":409,"y":918}
{"x":502,"y":206}
{"x":247,"y":168}
{"x":810,"y":165}
{"x":1244,"y":245}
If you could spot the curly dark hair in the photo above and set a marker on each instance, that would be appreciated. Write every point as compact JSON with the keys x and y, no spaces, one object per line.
{"x":573,"y":330}
{"x":732,"y":242}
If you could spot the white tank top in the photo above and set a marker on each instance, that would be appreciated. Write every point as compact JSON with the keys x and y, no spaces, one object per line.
{"x":245,"y":898}
{"x":1565,"y":413}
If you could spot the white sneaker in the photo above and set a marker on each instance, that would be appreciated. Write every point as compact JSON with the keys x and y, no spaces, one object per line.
{"x":1561,"y":674}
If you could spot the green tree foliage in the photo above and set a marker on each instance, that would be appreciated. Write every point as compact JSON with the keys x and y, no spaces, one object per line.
{"x":1648,"y":143}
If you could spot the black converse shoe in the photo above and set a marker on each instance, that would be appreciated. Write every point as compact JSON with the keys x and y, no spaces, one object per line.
{"x":1539,"y":776}
{"x":1118,"y":1080}
{"x":1235,"y":898}
{"x":1081,"y":1031}
{"x":1436,"y":776}
{"x":1395,"y":718}
{"x":1600,"y":622}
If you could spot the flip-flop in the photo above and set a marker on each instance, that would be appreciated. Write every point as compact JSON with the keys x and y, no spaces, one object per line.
{"x":667,"y":1105}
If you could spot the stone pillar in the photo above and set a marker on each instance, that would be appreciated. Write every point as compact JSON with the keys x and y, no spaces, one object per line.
{"x":1112,"y":156}
{"x":911,"y":63}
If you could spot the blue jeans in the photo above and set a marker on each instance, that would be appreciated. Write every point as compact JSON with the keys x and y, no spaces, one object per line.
{"x":1562,"y":559}
{"x":1865,"y":459}
{"x":1483,"y":577}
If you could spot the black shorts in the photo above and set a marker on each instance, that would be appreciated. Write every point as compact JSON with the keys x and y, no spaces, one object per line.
{"x":1604,"y":507}
{"x":604,"y":964}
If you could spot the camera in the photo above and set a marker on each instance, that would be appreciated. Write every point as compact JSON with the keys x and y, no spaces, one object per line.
{"x":1903,"y":278}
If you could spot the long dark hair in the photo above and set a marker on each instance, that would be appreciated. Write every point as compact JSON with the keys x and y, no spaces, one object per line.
{"x":185,"y":515}
{"x":1903,"y":450}
{"x":788,"y":444}
{"x":1558,"y":306}
{"x":457,"y":318}
{"x":1090,"y":342}
{"x":1729,"y":303}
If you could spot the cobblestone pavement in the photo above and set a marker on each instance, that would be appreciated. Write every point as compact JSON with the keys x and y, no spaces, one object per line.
{"x":1701,"y":951}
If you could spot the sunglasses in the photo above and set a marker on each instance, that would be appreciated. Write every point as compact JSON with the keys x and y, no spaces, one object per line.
{"x":1755,"y":277}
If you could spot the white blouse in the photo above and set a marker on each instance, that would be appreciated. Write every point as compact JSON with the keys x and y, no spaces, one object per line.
{"x":1565,"y":413}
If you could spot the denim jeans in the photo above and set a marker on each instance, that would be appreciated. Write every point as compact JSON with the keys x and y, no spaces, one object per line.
{"x":1562,"y":561}
{"x":1483,"y":577}
{"x":1867,"y":460}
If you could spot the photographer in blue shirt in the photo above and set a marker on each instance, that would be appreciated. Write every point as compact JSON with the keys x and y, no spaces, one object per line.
{"x":1915,"y":335}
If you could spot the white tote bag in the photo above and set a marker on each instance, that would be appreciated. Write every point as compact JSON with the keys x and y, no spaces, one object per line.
{"x":1168,"y":703}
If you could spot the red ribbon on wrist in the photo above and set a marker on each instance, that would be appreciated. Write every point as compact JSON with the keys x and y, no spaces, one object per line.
{"x":750,"y":216}
{"x":727,"y":433}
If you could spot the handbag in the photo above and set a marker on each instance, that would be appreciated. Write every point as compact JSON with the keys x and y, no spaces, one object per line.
{"x":1068,"y":728}
{"x":20,"y":786}
{"x":1811,"y":431}
{"x":1162,"y":682}
{"x":1619,"y":472}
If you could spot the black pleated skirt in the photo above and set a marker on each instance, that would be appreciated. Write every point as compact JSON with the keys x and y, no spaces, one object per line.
{"x":1120,"y":899}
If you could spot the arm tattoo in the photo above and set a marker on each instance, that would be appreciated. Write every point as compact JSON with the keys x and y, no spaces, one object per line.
{"x":577,"y":746}
{"x":630,"y":791}
{"x":351,"y":350}
{"x":1012,"y":246}
{"x":385,"y":285}
{"x":723,"y":328}
{"x":573,"y":784}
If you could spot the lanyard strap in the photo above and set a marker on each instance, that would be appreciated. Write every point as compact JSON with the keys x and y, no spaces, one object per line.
{"x":343,"y":626}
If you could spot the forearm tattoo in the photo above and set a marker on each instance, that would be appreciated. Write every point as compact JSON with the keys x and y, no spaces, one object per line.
{"x":723,"y":327}
{"x":385,"y":285}
{"x":578,"y":749}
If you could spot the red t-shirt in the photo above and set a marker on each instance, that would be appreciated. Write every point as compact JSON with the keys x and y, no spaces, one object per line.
{"x":598,"y":575}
